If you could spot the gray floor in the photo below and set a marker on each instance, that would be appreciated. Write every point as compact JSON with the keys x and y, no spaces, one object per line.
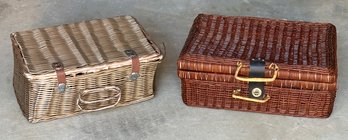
{"x":165,"y":116}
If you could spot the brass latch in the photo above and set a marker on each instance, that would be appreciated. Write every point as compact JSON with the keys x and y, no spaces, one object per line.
{"x":256,"y":81}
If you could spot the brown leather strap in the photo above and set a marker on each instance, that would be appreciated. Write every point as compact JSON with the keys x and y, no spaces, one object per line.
{"x":135,"y":64}
{"x":59,"y":68}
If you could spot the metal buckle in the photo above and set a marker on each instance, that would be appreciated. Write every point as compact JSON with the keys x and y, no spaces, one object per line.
{"x":57,"y":66}
{"x":130,"y":53}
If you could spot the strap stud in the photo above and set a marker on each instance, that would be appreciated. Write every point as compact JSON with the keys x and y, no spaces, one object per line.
{"x":256,"y":92}
{"x":134,"y":76}
{"x":61,"y":87}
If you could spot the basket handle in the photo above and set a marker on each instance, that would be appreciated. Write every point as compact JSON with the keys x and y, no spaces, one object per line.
{"x":114,"y":89}
{"x":236,"y":95}
{"x":163,"y":50}
{"x":272,"y":66}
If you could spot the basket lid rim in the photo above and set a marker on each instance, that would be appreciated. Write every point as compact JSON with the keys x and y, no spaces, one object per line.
{"x":98,"y":42}
{"x":222,"y":41}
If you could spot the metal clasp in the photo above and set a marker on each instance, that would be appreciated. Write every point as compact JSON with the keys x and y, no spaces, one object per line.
{"x":57,"y":66}
{"x":130,"y":53}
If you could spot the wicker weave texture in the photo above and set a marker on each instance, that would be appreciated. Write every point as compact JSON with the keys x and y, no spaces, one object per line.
{"x":277,"y":83}
{"x":305,"y":53}
{"x":88,"y":43}
{"x":93,"y":58}
{"x":284,"y":101}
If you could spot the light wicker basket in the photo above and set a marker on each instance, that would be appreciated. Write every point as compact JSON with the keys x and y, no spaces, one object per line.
{"x":105,"y":63}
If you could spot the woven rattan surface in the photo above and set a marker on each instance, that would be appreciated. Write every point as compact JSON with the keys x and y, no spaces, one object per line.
{"x":94,"y":62}
{"x":305,"y":53}
{"x":284,"y":101}
{"x":88,"y":43}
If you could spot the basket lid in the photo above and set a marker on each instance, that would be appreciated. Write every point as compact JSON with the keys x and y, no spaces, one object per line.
{"x":84,"y":44}
{"x":303,"y":51}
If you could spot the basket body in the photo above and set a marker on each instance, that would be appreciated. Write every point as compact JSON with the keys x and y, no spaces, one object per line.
{"x":97,"y":71}
{"x":305,"y":53}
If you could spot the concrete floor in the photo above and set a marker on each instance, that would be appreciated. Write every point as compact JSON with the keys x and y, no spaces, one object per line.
{"x":165,"y":116}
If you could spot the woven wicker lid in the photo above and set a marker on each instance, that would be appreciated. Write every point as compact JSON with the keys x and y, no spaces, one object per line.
{"x":84,"y":44}
{"x":303,"y":50}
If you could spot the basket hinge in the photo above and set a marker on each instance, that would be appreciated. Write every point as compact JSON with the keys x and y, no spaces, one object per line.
{"x":257,"y":70}
{"x":59,"y":68}
{"x":135,"y":64}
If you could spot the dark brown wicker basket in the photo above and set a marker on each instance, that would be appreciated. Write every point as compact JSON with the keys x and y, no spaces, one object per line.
{"x":305,"y":53}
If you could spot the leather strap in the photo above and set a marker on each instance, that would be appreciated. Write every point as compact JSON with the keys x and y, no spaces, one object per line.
{"x":135,"y":64}
{"x":257,"y":70}
{"x":59,"y":68}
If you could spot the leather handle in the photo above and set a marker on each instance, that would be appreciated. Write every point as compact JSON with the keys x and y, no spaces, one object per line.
{"x":163,"y":50}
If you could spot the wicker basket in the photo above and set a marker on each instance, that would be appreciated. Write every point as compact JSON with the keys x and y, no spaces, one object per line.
{"x":81,"y":67}
{"x":217,"y":65}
